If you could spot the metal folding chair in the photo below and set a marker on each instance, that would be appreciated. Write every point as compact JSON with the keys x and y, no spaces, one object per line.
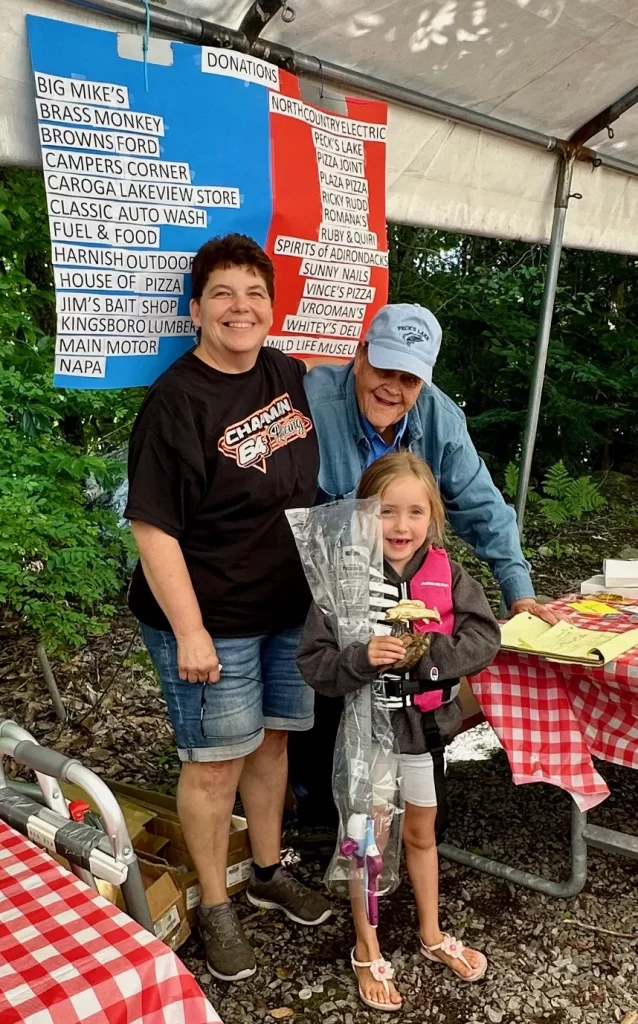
{"x":43,"y":816}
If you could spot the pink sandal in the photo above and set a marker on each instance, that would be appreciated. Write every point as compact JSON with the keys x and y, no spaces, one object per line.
{"x":454,"y":948}
{"x":381,"y":970}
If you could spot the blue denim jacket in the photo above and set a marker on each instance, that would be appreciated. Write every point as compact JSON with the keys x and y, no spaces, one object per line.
{"x":437,"y":432}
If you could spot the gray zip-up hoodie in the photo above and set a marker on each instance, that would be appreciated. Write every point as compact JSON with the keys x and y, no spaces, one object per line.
{"x":472,"y":646}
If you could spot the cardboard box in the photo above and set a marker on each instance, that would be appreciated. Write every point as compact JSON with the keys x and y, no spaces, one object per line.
{"x":596,"y":585}
{"x":175,"y":858}
{"x":470,"y":708}
{"x":165,"y":902}
{"x":164,"y":831}
{"x":136,"y":815}
{"x":146,"y":798}
{"x":165,"y":899}
{"x":620,"y":572}
{"x":177,"y":863}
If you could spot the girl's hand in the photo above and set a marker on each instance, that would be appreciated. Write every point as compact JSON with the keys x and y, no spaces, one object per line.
{"x":385,"y":650}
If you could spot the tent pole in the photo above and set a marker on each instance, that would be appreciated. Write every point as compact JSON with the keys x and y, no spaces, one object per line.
{"x":561,"y":201}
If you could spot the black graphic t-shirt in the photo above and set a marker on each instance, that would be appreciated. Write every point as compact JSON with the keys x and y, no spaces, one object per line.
{"x":215,"y":459}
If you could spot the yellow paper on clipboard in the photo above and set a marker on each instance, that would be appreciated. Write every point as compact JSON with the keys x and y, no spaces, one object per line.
{"x":563,"y":642}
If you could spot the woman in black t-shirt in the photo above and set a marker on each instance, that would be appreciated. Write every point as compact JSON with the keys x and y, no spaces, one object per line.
{"x":222,"y":446}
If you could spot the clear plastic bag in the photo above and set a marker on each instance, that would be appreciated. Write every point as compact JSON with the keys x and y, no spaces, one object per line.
{"x":341,"y":550}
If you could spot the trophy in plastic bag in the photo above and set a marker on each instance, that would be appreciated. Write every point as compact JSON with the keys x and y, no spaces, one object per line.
{"x":341,"y":550}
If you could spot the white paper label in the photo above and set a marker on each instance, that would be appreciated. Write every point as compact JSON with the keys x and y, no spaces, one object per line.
{"x":287,"y":245}
{"x":101,"y":117}
{"x":237,"y":873}
{"x":344,"y":201}
{"x":313,"y":346}
{"x":320,"y":119}
{"x":343,"y":164}
{"x":80,"y":302}
{"x":106,"y":94}
{"x":337,"y":290}
{"x":329,"y":328}
{"x":334,"y":272}
{"x":347,"y":236}
{"x":81,"y":345}
{"x":220,"y":61}
{"x":337,"y":147}
{"x":115,"y":166}
{"x":167,"y":923}
{"x":332,"y":310}
{"x":80,"y":366}
{"x":66,"y":230}
{"x":128,"y":326}
{"x":40,"y":838}
{"x":193,"y":896}
{"x":104,"y":141}
{"x":120,"y":259}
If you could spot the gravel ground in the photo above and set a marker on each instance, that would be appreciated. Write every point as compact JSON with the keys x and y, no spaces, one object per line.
{"x":542,"y":965}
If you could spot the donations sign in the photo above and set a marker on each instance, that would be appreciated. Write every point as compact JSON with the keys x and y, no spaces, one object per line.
{"x":142,"y":165}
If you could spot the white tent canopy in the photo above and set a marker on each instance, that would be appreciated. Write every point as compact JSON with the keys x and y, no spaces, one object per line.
{"x":544,"y":65}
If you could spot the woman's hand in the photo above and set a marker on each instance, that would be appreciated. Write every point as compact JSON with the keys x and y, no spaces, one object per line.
{"x":197,"y":658}
{"x":385,"y":650}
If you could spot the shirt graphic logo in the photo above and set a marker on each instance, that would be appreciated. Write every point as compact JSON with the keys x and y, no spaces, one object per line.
{"x":254,"y":439}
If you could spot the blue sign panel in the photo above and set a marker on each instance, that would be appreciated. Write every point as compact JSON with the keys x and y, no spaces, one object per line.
{"x":142,"y":165}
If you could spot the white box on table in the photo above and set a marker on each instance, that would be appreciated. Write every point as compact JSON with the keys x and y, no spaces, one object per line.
{"x":620,"y":572}
{"x":596,"y":585}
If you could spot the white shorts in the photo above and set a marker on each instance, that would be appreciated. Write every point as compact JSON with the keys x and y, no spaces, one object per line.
{"x":418,"y":779}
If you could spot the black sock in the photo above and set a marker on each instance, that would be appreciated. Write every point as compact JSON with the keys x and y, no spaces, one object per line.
{"x":264,"y":874}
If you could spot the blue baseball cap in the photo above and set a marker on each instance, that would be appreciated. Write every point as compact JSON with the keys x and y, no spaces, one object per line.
{"x":405,"y":337}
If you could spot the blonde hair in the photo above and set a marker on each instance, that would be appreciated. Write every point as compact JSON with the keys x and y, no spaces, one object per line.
{"x":378,"y":477}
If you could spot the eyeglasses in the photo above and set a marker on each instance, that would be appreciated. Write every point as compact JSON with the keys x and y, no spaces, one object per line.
{"x":407,"y":380}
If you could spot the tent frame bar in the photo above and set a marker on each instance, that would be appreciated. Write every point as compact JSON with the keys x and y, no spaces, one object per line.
{"x":206,"y":33}
{"x":605,"y":118}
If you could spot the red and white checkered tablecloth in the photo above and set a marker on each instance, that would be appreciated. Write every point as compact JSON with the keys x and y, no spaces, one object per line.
{"x":551,"y":718}
{"x":68,"y":956}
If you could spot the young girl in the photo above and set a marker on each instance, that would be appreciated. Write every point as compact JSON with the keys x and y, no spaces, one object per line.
{"x":464,"y":642}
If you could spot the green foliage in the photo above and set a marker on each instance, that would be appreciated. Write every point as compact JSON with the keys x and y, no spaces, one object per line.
{"x":564,"y":498}
{"x":568,"y":498}
{"x":63,"y":560}
{"x":487,"y":294}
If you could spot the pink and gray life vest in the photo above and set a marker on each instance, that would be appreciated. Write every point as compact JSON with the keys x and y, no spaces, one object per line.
{"x":432,"y":584}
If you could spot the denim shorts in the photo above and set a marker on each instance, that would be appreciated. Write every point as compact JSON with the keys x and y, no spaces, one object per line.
{"x":260,"y":688}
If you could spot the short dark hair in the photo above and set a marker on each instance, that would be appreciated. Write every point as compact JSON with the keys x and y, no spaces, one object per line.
{"x":231,"y":251}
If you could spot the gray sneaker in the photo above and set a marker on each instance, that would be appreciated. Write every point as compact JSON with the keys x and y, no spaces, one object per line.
{"x":229,"y":955}
{"x":284,"y":892}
